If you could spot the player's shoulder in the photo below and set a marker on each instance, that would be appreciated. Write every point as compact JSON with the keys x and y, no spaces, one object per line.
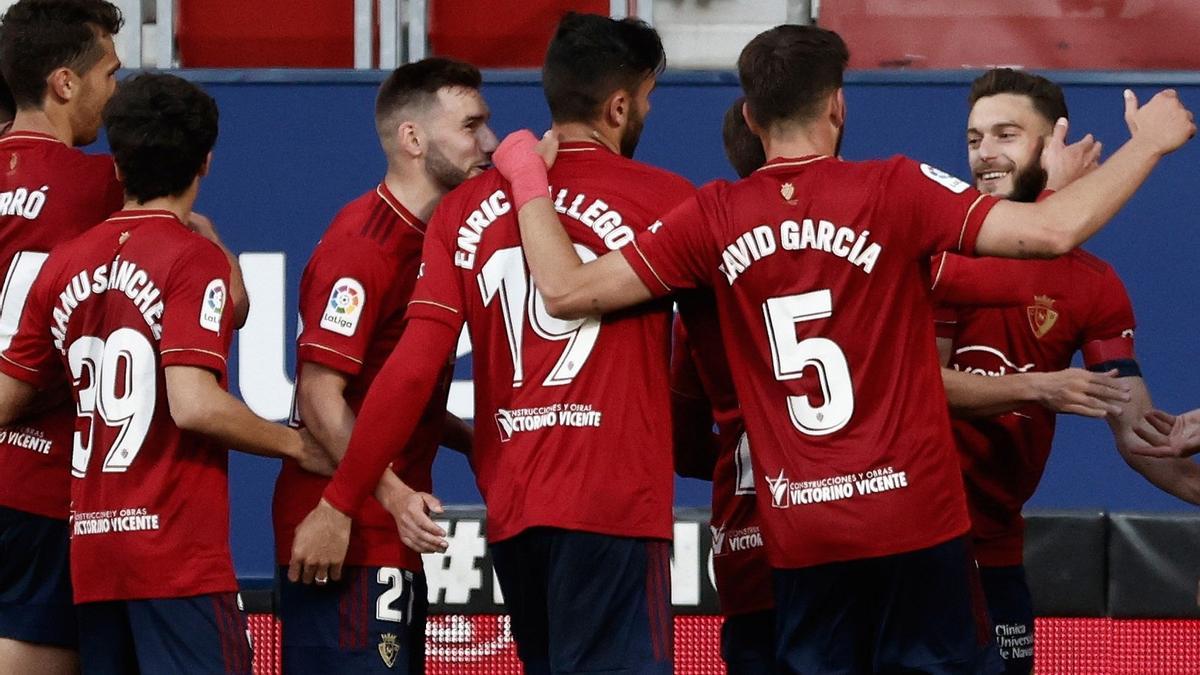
{"x":668,"y":183}
{"x":1089,"y":263}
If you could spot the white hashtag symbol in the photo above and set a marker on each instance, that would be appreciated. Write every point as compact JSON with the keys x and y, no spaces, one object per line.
{"x":452,"y":576}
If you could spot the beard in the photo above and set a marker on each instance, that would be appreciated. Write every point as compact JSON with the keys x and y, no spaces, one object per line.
{"x":442,"y":170}
{"x":1028,"y":183}
{"x":632,"y":133}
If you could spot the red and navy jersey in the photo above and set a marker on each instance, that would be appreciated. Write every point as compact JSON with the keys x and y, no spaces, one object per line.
{"x":112,"y":309}
{"x":821,"y":272}
{"x":700,"y":369}
{"x":1077,"y":304}
{"x":353,"y":294}
{"x":570,"y":429}
{"x":49,"y":193}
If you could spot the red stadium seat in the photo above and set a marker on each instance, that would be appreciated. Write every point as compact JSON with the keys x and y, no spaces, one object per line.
{"x":508,"y":34}
{"x":266,"y":34}
{"x":1049,"y":34}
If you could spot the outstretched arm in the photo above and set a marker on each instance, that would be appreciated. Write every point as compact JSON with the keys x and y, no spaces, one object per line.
{"x":1174,"y":475}
{"x":1069,"y":217}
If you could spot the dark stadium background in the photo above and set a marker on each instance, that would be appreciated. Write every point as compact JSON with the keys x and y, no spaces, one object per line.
{"x":296,"y":145}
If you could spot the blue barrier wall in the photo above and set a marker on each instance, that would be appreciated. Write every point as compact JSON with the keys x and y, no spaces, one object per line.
{"x":295,"y":146}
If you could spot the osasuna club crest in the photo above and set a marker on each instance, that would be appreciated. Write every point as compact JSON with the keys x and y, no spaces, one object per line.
{"x":1041,"y":315}
{"x":389,"y":649}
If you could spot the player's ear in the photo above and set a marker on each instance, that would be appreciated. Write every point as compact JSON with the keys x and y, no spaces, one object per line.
{"x":61,"y":83}
{"x":837,"y":108}
{"x":206,"y":166}
{"x":617,"y":108}
{"x":408,"y":139}
{"x":750,"y":123}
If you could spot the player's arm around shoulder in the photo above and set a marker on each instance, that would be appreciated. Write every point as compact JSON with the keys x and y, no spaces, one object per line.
{"x":1066,"y":219}
{"x":570,"y":288}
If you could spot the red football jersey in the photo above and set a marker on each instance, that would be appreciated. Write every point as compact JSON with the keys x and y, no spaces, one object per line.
{"x":743,"y":574}
{"x":49,"y":193}
{"x":821,"y":269}
{"x":570,"y":429}
{"x":1079,"y":303}
{"x":113,"y":308}
{"x":353,"y":294}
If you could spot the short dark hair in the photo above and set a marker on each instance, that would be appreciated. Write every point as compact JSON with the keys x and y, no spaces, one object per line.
{"x":1047,"y":97}
{"x":418,"y":83}
{"x":161,"y":129}
{"x":8,"y":107}
{"x":592,"y":56}
{"x":743,"y":149}
{"x":788,"y":70}
{"x":38,"y":37}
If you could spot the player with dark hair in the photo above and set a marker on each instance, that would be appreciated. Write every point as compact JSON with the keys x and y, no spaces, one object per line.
{"x":574,"y":462}
{"x":703,"y":396}
{"x":59,"y":69}
{"x":1004,"y":426}
{"x":819,"y":267}
{"x":136,"y":312}
{"x":432,"y":124}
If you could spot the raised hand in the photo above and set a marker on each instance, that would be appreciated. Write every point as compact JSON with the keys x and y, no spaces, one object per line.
{"x":1163,"y":124}
{"x":1064,"y":163}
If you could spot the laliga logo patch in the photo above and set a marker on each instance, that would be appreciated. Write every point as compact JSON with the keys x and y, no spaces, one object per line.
{"x":213,"y":306}
{"x":944,"y":179}
{"x":344,"y":307}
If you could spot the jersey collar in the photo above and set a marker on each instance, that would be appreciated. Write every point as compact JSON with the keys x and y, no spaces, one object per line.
{"x":29,"y":136}
{"x":405,"y":215}
{"x":790,"y":162}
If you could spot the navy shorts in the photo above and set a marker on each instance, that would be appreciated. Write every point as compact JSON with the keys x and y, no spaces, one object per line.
{"x":202,"y":634}
{"x":585,"y":602}
{"x":916,"y":612}
{"x":35,"y":580}
{"x":748,"y":643}
{"x":1011,"y":609}
{"x":371,"y":621}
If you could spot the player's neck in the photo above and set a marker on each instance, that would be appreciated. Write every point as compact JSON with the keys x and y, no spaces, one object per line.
{"x":588,"y":133}
{"x":418,"y":194}
{"x":41,"y":122}
{"x":180,"y":205}
{"x":799,"y":141}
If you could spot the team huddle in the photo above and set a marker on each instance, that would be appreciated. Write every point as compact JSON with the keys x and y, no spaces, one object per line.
{"x":865,"y":518}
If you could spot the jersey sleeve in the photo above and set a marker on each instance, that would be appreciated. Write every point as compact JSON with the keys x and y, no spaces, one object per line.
{"x":439,"y":295}
{"x":677,"y":251}
{"x":1108,"y":335}
{"x":938,"y":211}
{"x":31,"y":355}
{"x":341,"y":302}
{"x":196,"y":328}
{"x":960,"y":281}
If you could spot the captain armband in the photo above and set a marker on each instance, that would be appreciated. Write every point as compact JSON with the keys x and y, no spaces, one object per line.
{"x":1124,"y":367}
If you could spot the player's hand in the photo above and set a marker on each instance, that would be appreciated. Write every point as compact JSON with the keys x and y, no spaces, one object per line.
{"x":1163,"y":124}
{"x":202,"y":225}
{"x":1081,"y":392}
{"x":1169,"y":435}
{"x":1064,"y":163}
{"x":417,"y":529}
{"x":548,"y":148}
{"x":319,"y":547}
{"x":312,"y":456}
